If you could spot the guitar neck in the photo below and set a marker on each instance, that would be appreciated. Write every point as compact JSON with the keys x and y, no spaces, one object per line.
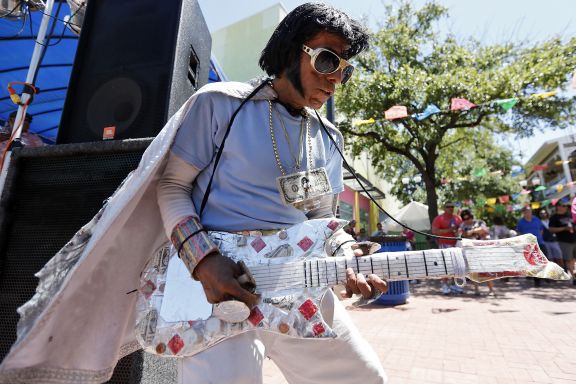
{"x":321,"y":272}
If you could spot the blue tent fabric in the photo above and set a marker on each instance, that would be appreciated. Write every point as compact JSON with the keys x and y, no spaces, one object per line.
{"x":17,"y":40}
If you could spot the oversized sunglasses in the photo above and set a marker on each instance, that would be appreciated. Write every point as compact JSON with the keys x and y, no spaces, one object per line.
{"x":327,"y":62}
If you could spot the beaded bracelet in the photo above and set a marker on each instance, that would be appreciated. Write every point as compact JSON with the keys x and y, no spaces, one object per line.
{"x":192,"y":242}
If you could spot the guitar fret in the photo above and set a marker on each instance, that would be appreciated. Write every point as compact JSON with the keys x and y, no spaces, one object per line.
{"x":393,"y":266}
{"x":443,"y":258}
{"x":406,"y":263}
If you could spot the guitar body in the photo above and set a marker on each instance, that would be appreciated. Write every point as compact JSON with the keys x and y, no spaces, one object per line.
{"x":293,"y":271}
{"x":293,"y":312}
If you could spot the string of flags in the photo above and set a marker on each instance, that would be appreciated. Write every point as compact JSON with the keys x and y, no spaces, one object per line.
{"x":398,"y":112}
{"x":507,"y":203}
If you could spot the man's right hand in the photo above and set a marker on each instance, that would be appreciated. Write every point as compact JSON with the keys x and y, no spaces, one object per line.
{"x":218,"y":275}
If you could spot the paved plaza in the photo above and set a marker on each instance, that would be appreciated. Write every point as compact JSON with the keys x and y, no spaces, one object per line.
{"x":524,"y":334}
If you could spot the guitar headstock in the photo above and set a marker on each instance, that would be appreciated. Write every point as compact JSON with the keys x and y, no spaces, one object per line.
{"x":515,"y":256}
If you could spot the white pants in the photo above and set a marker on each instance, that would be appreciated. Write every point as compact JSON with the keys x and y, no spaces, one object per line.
{"x":238,"y":360}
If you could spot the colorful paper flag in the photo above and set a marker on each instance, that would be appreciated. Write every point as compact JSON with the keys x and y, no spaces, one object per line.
{"x":515,"y":196}
{"x":540,"y":188}
{"x":574,"y":80}
{"x":544,"y":95}
{"x":431,"y":109}
{"x":535,"y":205}
{"x":491,"y":200}
{"x":479,"y":172}
{"x":458,"y":104}
{"x":559,"y":188}
{"x":504,"y":199}
{"x":545,"y":203}
{"x":554,"y":201}
{"x":509,"y":208}
{"x":506,"y":104}
{"x":362,"y":122}
{"x":396,"y":112}
{"x":525,"y":192}
{"x":541,"y":167}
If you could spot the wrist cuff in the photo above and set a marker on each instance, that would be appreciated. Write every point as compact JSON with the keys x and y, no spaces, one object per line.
{"x":192,"y":242}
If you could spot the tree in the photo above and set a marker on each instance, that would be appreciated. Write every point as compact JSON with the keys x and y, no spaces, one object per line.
{"x":409,"y":64}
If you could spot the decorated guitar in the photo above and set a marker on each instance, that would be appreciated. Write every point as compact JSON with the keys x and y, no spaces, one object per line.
{"x":292,"y":273}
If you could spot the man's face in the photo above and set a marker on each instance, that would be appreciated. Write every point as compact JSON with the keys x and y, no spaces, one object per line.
{"x":319,"y":87}
{"x":562,"y":209}
{"x":527,"y":213}
{"x":449,"y":209}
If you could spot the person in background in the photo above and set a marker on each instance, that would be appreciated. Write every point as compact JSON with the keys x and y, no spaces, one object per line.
{"x":351,"y":229}
{"x":379,"y":232}
{"x":477,"y":230}
{"x":362,"y":236}
{"x":27,"y":138}
{"x":550,"y":239}
{"x":562,"y":226}
{"x":498,"y":230}
{"x":410,"y":239}
{"x":447,"y":225}
{"x":528,"y":223}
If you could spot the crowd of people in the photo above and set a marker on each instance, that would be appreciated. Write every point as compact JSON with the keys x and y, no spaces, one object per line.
{"x":554,"y":232}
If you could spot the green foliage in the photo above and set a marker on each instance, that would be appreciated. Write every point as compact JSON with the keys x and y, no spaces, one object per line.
{"x":410,"y":65}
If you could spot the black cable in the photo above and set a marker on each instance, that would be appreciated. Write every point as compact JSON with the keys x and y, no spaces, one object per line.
{"x":351,"y":170}
{"x":21,"y":28}
{"x":66,"y":23}
{"x":71,"y":16}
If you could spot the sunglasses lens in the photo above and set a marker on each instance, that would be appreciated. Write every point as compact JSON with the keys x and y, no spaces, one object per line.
{"x":326,"y":62}
{"x":347,"y":74}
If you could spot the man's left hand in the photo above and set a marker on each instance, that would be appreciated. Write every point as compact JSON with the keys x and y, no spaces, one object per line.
{"x":368,"y":286}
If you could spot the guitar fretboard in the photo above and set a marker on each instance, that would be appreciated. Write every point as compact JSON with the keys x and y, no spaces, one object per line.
{"x":392,"y":266}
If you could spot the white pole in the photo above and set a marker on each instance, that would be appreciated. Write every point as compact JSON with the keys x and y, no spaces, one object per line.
{"x":39,"y":47}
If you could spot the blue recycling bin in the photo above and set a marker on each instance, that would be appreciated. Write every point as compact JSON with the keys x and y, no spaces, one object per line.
{"x":398,"y":291}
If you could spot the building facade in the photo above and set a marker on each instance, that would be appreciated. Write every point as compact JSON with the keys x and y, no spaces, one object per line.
{"x":552,"y":169}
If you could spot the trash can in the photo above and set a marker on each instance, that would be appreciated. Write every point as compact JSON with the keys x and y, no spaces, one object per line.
{"x":398,"y":291}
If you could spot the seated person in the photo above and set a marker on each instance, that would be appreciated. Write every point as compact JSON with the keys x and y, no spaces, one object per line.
{"x":379,"y":232}
{"x":27,"y":139}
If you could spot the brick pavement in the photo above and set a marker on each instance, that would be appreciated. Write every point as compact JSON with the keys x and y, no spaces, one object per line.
{"x":525,"y":334}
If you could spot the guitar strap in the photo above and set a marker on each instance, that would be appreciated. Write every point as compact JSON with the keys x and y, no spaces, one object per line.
{"x":221,"y":149}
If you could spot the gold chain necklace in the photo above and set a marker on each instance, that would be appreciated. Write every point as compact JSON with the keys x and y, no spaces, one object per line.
{"x":297,"y":158}
{"x":275,"y":146}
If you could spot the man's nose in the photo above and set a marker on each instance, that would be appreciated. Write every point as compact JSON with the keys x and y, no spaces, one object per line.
{"x":336,"y":77}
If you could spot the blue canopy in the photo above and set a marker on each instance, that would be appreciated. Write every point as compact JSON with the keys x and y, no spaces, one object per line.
{"x":17,"y":40}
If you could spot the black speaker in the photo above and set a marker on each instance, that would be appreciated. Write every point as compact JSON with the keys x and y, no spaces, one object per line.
{"x":137,"y":62}
{"x":50,"y":193}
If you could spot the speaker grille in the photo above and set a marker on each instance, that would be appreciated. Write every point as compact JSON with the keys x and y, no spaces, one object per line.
{"x":50,"y":193}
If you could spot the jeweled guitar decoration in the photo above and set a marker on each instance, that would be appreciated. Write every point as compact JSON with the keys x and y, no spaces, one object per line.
{"x":292,"y":272}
